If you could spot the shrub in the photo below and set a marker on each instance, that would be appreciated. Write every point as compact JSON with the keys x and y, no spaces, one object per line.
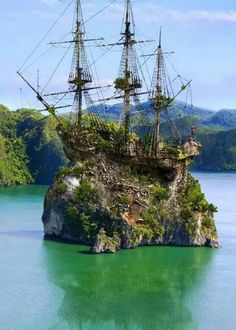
{"x":195,"y":199}
{"x":125,"y":200}
{"x":186,"y":213}
{"x":78,"y":171}
{"x":71,"y":214}
{"x":60,"y":188}
{"x":152,"y":221}
{"x":86,"y":225}
{"x":207,"y":223}
{"x":121,"y":83}
{"x":84,"y":193}
{"x":63,"y":171}
{"x":144,"y":231}
{"x":159,"y":192}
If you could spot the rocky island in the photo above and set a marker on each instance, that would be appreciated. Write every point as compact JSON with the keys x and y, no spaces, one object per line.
{"x":110,"y":203}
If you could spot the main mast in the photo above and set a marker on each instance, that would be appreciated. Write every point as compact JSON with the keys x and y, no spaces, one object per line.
{"x":128,"y":80}
{"x":127,"y":92}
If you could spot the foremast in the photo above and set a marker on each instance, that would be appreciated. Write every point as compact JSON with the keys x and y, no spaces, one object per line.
{"x":80,"y":77}
{"x":80,"y":74}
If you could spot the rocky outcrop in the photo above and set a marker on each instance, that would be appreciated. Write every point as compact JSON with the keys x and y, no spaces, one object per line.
{"x":109,"y":206}
{"x":105,"y":244}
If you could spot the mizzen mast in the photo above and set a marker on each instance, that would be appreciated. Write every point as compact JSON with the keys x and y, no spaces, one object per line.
{"x":159,"y":95}
{"x":162,"y":96}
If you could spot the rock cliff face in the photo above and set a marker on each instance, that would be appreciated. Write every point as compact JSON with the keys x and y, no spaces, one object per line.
{"x":108,"y":205}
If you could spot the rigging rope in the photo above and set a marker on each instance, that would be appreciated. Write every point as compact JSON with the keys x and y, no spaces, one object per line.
{"x":46,"y":34}
{"x":57,"y":67}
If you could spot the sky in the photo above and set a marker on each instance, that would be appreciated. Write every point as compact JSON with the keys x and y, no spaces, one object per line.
{"x":202,"y":33}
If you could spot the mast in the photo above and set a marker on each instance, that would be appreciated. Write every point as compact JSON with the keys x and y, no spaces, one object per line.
{"x":78,"y":44}
{"x":128,"y":80}
{"x":158,"y":106}
{"x":79,"y":75}
{"x":127,"y":92}
{"x":162,"y":97}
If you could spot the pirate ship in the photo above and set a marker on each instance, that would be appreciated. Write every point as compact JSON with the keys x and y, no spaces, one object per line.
{"x":123,"y":189}
{"x":86,"y":132}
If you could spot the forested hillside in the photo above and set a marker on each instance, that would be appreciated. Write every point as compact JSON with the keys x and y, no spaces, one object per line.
{"x":218,"y":151}
{"x":31,"y":152}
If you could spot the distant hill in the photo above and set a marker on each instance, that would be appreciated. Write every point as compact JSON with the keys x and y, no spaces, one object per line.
{"x":31,"y":152}
{"x":179,"y":109}
{"x":224,"y":119}
{"x":218,"y":151}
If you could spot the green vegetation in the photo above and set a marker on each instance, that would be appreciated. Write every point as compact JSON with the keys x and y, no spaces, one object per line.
{"x":194,"y":201}
{"x":81,"y":224}
{"x":84,"y":194}
{"x":125,"y":200}
{"x":109,"y":243}
{"x":121,"y":83}
{"x":60,"y":188}
{"x":218,"y":151}
{"x":159,"y":192}
{"x":30,"y":150}
{"x":153,"y":220}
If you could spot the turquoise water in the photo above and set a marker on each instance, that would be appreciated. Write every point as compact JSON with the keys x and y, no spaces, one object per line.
{"x":46,"y":285}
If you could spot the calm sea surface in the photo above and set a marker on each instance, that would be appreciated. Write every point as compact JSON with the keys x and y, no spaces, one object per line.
{"x":46,"y":285}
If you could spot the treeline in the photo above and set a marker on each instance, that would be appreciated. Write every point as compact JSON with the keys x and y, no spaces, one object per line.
{"x":31,"y":151}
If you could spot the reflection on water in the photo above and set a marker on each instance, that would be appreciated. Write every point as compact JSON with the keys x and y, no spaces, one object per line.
{"x":51,"y":286}
{"x":147,"y":288}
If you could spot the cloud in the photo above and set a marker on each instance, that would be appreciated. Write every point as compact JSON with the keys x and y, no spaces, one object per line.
{"x":148,"y":11}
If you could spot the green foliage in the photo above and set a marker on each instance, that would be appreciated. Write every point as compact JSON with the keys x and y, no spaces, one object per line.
{"x":207,"y":223}
{"x":84,"y":193}
{"x":190,"y":225}
{"x":62,"y":172}
{"x":218,"y":151}
{"x":159,"y":192}
{"x":88,"y":227}
{"x":13,"y":162}
{"x":60,"y":188}
{"x":144,"y":231}
{"x":208,"y":227}
{"x":121,"y":83}
{"x":186,"y":212}
{"x":80,"y":223}
{"x":125,"y":200}
{"x":153,"y":221}
{"x":72,"y":214}
{"x":194,"y":201}
{"x":109,"y":242}
{"x":78,"y":171}
{"x":32,"y":149}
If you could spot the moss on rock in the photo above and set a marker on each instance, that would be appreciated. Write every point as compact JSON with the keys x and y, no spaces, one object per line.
{"x":101,"y":203}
